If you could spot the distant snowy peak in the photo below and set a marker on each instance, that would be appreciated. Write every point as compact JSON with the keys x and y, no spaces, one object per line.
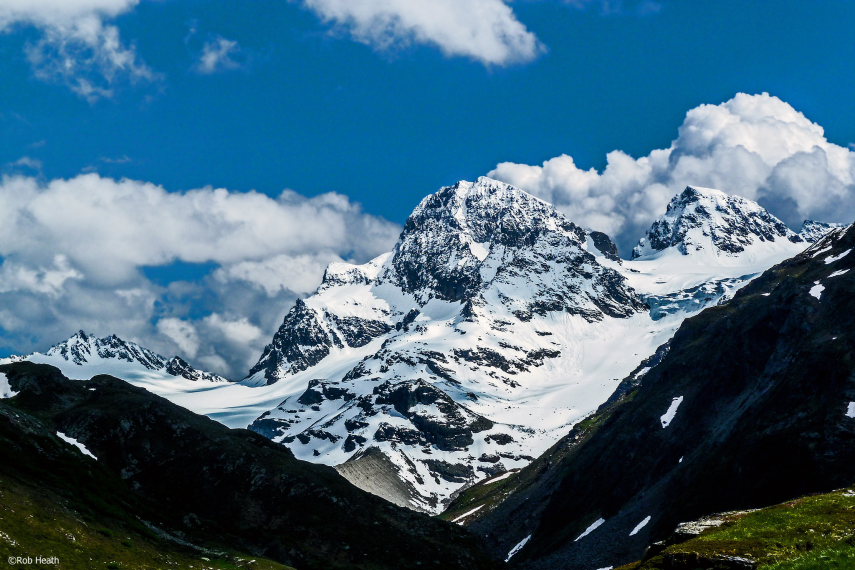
{"x":813,"y":231}
{"x":85,"y":349}
{"x":703,"y":219}
{"x":82,"y":347}
{"x":178,"y":367}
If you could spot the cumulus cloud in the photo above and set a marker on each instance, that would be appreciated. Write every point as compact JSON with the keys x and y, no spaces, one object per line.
{"x":298,"y":273}
{"x":755,"y":146}
{"x":484,"y":30}
{"x":74,"y":254}
{"x":182,"y":333}
{"x":217,"y":55}
{"x":77,"y":47}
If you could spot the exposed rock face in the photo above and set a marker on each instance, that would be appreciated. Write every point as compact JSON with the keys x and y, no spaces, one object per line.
{"x":177,"y":366}
{"x":700,"y":218}
{"x":373,"y":471}
{"x":750,"y":405}
{"x":300,"y":343}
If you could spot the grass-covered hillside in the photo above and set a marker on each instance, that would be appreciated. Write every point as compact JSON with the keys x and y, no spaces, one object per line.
{"x":811,"y":533}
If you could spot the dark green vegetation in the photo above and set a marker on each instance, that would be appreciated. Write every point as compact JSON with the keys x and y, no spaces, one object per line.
{"x":40,"y":522}
{"x":811,"y":533}
{"x":169,"y":485}
{"x":765,"y":379}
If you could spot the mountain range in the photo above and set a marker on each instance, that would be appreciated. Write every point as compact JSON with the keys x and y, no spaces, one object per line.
{"x":493,"y":327}
{"x":507,"y":368}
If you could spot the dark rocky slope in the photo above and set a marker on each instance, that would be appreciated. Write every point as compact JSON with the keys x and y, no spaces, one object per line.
{"x":764,"y":384}
{"x":193,"y":479}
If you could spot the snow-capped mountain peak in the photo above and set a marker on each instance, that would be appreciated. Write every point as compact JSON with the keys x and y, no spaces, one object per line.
{"x":451,"y":234}
{"x":82,"y":347}
{"x":84,"y":354}
{"x":426,"y":354}
{"x":704,"y":219}
{"x":812,"y":231}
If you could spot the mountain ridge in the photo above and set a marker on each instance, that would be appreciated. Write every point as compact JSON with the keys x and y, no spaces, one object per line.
{"x":493,"y":326}
{"x":764,"y":381}
{"x":88,"y":353}
{"x":475,"y":262}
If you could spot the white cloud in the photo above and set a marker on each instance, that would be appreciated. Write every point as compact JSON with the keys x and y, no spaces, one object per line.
{"x":77,"y":48}
{"x":756,"y":146}
{"x":238,"y":331}
{"x":73,"y":253}
{"x":109,"y":228}
{"x":26,"y":162}
{"x":298,"y":273}
{"x":484,"y":30}
{"x":217,"y":56}
{"x":45,"y":280}
{"x":183,"y":333}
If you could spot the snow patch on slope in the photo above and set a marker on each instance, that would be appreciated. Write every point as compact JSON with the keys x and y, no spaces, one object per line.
{"x":75,"y":443}
{"x":519,"y":546}
{"x":641,"y":525}
{"x":838,"y":257}
{"x":668,"y":416}
{"x":5,"y":389}
{"x":594,"y":526}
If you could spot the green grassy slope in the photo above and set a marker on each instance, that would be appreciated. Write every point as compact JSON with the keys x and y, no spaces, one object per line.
{"x":812,"y":533}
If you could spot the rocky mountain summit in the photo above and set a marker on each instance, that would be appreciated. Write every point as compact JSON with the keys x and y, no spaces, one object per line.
{"x":813,"y":231}
{"x":703,"y":218}
{"x":83,"y":355}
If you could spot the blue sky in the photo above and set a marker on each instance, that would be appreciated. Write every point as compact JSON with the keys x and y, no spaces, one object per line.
{"x":313,"y":111}
{"x":314,"y":96}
